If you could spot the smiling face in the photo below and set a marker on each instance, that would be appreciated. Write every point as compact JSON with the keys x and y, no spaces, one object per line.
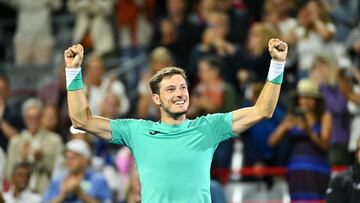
{"x":173,"y":97}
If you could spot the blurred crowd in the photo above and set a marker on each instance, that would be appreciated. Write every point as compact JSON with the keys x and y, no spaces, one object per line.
{"x":222,"y":46}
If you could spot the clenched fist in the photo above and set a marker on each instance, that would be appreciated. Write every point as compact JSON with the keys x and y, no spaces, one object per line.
{"x":278,"y":49}
{"x":73,"y":56}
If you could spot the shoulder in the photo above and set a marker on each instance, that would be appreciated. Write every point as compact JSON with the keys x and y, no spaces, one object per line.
{"x":209,"y":118}
{"x":343,"y":177}
{"x":54,"y":137}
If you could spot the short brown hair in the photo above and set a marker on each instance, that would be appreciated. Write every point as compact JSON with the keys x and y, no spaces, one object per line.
{"x":164,"y":73}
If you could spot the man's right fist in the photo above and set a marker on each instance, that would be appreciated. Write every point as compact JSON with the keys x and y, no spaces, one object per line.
{"x":73,"y":56}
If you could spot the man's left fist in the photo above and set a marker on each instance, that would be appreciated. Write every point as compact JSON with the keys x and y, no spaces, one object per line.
{"x":278,"y":49}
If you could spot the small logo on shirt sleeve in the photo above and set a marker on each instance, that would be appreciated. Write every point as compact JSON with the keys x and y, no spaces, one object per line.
{"x":154,"y":132}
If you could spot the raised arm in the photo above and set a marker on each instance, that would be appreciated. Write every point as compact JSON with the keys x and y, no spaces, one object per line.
{"x":266,"y":103}
{"x":79,"y":111}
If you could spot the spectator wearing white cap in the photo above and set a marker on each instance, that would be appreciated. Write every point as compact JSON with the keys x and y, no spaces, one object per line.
{"x":80,"y":184}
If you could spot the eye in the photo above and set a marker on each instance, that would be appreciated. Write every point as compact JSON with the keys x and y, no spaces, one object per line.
{"x":171,"y":89}
{"x":183,"y":87}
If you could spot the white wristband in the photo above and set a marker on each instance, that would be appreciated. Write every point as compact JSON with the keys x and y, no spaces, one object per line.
{"x":276,"y":71}
{"x":73,"y":78}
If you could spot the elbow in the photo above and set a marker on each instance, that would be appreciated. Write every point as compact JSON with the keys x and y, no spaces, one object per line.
{"x":80,"y":121}
{"x":266,"y":114}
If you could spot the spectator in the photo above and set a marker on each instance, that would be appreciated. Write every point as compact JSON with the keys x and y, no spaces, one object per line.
{"x":35,"y":145}
{"x":175,"y":32}
{"x":80,"y":184}
{"x":352,"y":44}
{"x":50,"y":119}
{"x":19,"y":191}
{"x":313,"y":34}
{"x":159,"y":58}
{"x":9,"y":121}
{"x":34,"y":40}
{"x":214,"y":42}
{"x":52,"y":91}
{"x":323,"y":72}
{"x":344,"y":187}
{"x":212,"y":94}
{"x":92,"y":26}
{"x":97,"y":85}
{"x":309,"y":128}
{"x":256,"y":53}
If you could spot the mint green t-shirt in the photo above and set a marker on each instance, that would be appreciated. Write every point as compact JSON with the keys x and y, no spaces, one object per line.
{"x":173,"y":161}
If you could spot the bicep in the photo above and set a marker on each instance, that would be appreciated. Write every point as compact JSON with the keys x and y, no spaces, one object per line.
{"x":244,"y":118}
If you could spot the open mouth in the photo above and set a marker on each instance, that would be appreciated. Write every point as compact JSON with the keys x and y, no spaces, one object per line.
{"x":179,"y":102}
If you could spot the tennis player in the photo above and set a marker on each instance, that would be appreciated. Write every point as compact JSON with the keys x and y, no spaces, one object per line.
{"x":173,"y":156}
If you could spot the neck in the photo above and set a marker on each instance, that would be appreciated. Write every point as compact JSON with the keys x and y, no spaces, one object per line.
{"x":172,"y":119}
{"x":33,"y":132}
{"x":17,"y":192}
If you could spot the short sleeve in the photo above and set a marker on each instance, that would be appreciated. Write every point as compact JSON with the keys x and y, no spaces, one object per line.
{"x":122,"y":131}
{"x":221,"y":125}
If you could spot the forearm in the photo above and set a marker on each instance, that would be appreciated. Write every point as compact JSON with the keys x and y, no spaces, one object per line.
{"x":320,"y":143}
{"x":58,"y":199}
{"x":268,"y":99}
{"x":79,"y":110}
{"x":8,"y":130}
{"x":324,"y":32}
{"x":277,"y":136}
{"x":86,"y":198}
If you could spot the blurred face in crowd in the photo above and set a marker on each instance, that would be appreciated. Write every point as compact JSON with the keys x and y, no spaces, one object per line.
{"x":223,"y":5}
{"x":110,"y":106}
{"x":95,"y":71}
{"x":32,"y":119}
{"x":175,"y":7}
{"x":21,"y":178}
{"x":75,"y":163}
{"x":217,"y":26}
{"x":173,"y":95}
{"x":206,"y":73}
{"x":158,"y":64}
{"x":320,"y":71}
{"x":306,"y":103}
{"x":4,"y":89}
{"x":50,"y":118}
{"x":280,"y":6}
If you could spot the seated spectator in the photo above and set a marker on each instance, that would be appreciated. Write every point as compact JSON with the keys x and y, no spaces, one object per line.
{"x":344,"y":187}
{"x":80,"y":184}
{"x":34,"y":40}
{"x":10,"y":122}
{"x":19,"y":191}
{"x":159,"y":58}
{"x":36,"y":145}
{"x":97,"y":85}
{"x":308,"y":126}
{"x":92,"y":25}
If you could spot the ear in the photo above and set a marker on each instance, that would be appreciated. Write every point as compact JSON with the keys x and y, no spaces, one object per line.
{"x":156,"y":99}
